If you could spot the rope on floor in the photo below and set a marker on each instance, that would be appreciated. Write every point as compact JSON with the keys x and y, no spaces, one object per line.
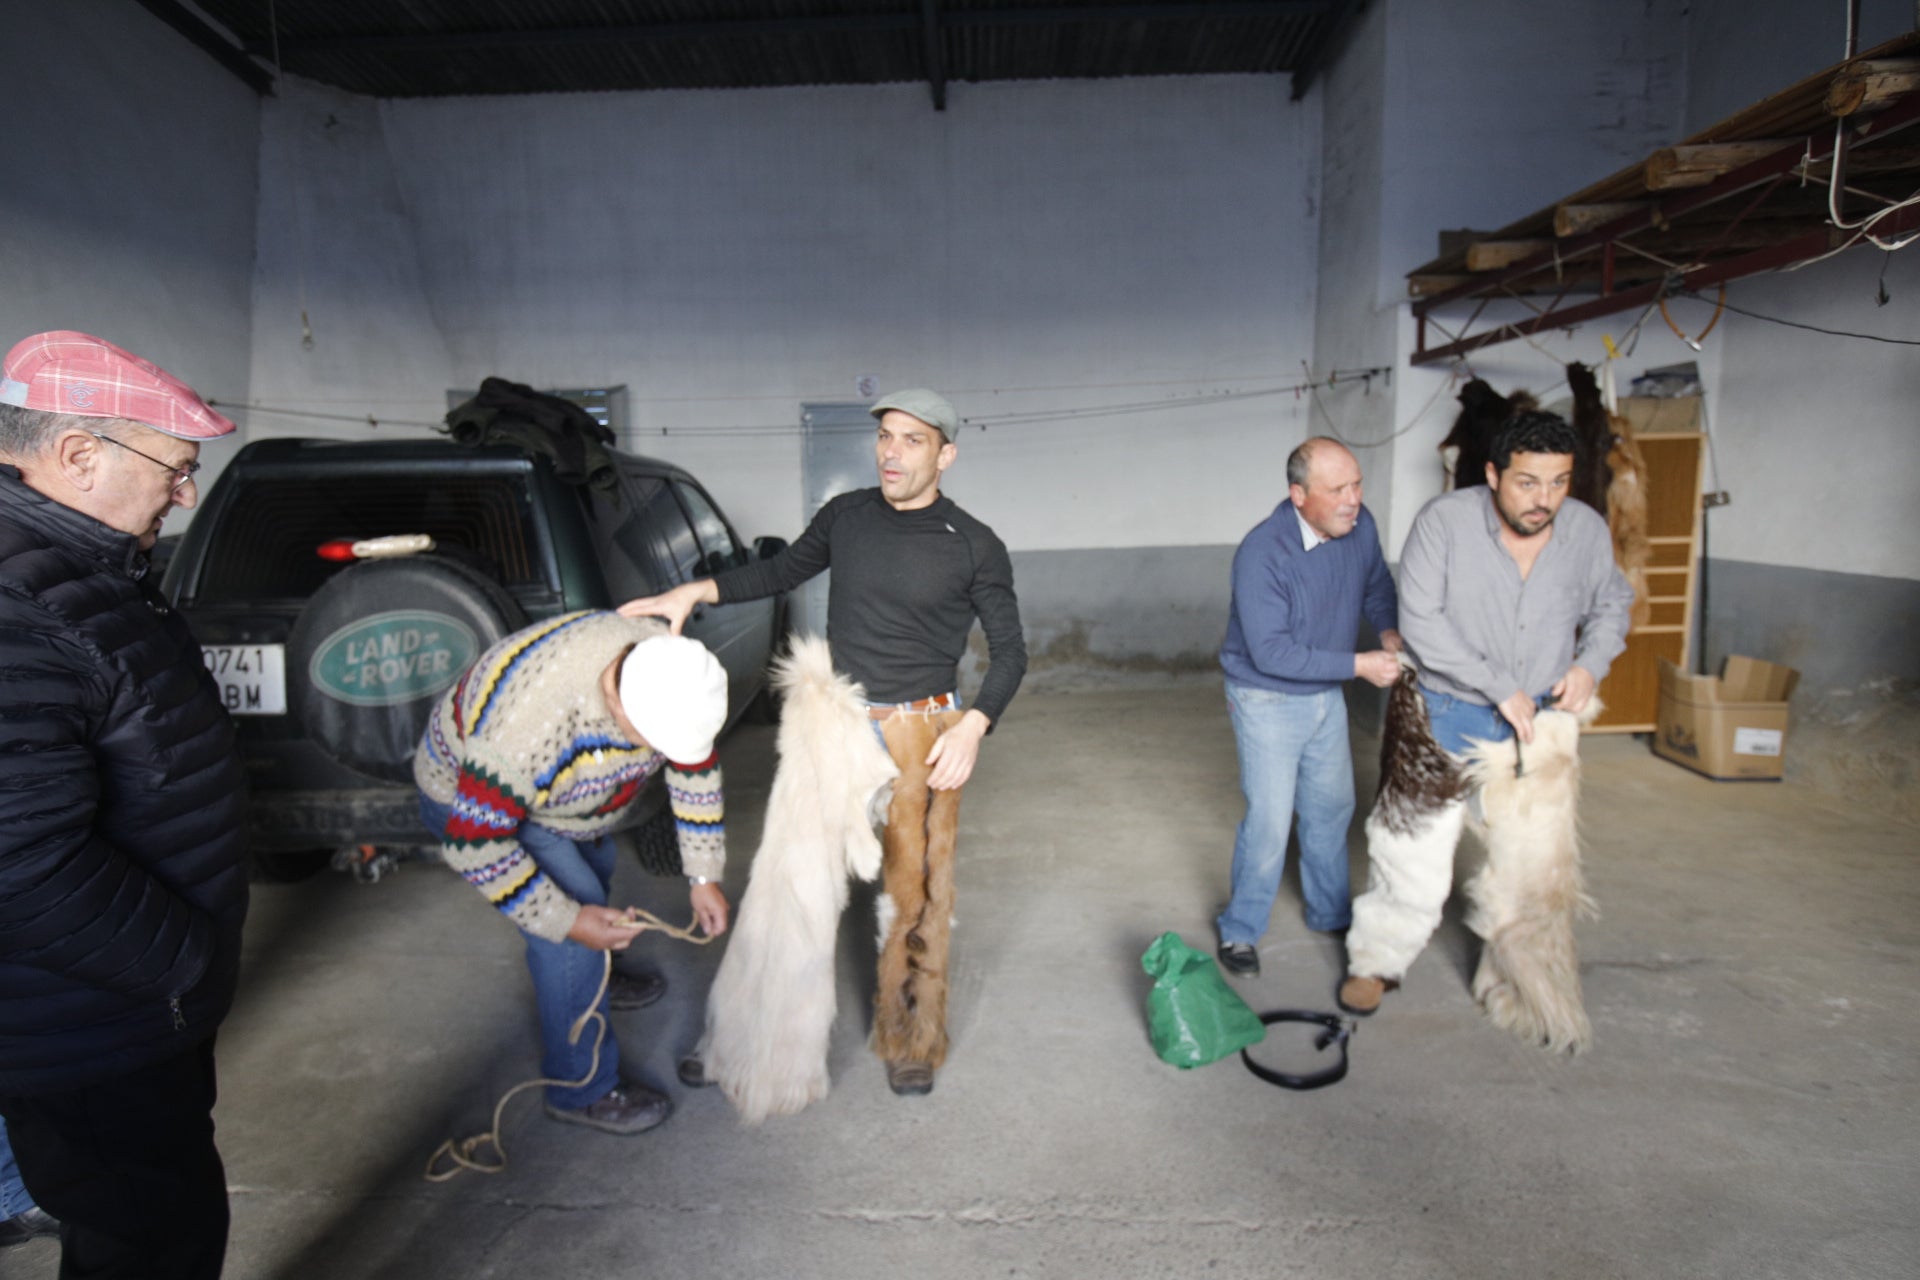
{"x":461,"y":1155}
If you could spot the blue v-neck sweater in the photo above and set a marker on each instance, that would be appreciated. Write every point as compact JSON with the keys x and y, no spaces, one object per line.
{"x":1295,"y":618}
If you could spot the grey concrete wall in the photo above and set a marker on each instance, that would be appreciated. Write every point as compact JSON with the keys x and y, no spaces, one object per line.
{"x":1098,"y":617}
{"x":1855,"y":639}
{"x":1839,"y":630}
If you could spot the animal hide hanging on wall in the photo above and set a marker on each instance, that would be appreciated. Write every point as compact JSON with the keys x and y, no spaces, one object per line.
{"x":1627,"y":516}
{"x":1525,"y":898}
{"x":770,"y":1011}
{"x":1469,"y":446}
{"x":1593,"y":428}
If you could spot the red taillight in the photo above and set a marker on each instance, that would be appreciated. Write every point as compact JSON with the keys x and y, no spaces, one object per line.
{"x":339,"y":549}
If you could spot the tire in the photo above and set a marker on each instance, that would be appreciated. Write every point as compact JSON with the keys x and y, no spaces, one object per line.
{"x":656,"y":843}
{"x":286,"y":866}
{"x":378,"y":645}
{"x":765,"y":707}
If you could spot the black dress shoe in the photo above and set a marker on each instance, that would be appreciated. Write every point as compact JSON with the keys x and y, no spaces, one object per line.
{"x":1240,"y":959}
{"x":692,"y":1072}
{"x":30,"y":1225}
{"x":626,"y":991}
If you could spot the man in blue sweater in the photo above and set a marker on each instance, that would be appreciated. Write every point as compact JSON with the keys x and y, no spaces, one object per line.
{"x":1302,"y":579}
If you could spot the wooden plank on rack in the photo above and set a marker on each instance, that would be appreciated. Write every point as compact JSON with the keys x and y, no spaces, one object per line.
{"x":1577,"y":219}
{"x":1673,"y":168}
{"x":1874,"y":83}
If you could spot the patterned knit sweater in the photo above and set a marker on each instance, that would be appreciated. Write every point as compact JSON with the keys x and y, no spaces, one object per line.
{"x":525,"y":736}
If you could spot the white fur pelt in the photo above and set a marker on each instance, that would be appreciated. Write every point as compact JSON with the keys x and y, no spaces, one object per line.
{"x":1524,"y":900}
{"x":771,"y":1008}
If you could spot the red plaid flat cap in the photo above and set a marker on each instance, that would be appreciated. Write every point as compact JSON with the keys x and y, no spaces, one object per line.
{"x":68,"y":372}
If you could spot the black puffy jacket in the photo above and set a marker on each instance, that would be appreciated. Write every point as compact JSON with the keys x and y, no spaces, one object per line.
{"x":121,"y":810}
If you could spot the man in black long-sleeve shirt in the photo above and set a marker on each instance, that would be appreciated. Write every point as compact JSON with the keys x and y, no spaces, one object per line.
{"x":911,"y":571}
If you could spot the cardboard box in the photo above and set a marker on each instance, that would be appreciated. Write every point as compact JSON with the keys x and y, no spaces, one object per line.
{"x":1731,"y":727}
{"x":1655,"y":416}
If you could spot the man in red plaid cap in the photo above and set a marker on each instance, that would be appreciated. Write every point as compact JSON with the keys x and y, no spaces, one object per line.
{"x":121,"y":887}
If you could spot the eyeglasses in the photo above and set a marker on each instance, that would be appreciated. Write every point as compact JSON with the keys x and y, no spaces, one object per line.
{"x":180,"y":474}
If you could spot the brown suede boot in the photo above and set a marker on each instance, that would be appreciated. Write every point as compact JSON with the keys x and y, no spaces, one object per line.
{"x":1362,"y":995}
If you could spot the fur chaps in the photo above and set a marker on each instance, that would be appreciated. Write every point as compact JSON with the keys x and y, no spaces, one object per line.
{"x":1411,"y":834}
{"x":1524,"y":900}
{"x":771,"y":1008}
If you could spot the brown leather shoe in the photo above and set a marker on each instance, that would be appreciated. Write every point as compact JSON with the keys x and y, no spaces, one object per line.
{"x":1362,"y":995}
{"x":910,"y":1078}
{"x":623,"y":1109}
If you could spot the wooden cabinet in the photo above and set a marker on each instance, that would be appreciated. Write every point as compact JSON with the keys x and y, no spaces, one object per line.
{"x":1673,"y":447}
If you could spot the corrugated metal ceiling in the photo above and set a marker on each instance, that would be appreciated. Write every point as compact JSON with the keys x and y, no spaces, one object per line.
{"x":424,"y":48}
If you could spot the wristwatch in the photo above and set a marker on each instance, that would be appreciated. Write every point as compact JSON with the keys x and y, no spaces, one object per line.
{"x":699,"y":880}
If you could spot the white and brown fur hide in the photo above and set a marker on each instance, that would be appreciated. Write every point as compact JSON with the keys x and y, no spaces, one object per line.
{"x":1411,"y":833}
{"x":771,"y":1008}
{"x":1526,"y":896}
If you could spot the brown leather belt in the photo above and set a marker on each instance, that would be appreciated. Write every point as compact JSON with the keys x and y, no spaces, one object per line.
{"x":925,"y":706}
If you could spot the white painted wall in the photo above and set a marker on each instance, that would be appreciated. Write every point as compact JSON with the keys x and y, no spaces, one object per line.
{"x":1471,"y":113}
{"x":1357,"y":323}
{"x":128,"y":206}
{"x":1741,"y":51}
{"x":728,"y":256}
{"x":1815,"y":435}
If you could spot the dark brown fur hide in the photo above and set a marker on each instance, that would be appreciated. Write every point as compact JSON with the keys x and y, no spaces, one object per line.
{"x":1417,"y":777}
{"x":1593,"y":426}
{"x":1483,"y":411}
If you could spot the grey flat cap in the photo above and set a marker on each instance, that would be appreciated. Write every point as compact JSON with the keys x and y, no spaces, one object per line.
{"x":929,"y":406}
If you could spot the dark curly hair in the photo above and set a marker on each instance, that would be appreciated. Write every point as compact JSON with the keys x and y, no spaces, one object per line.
{"x":1532,"y":431}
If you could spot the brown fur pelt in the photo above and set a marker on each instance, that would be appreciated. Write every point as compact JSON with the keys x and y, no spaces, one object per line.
{"x":1593,"y":427}
{"x":1526,"y":896}
{"x":1627,"y":515}
{"x":771,"y":1008}
{"x":1483,"y":411}
{"x":916,"y":910}
{"x":1417,"y":776}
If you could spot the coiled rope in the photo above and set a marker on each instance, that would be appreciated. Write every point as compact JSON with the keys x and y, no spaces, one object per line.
{"x":460,"y":1155}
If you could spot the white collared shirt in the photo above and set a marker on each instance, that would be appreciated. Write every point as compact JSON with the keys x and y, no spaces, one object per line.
{"x":1309,"y":536}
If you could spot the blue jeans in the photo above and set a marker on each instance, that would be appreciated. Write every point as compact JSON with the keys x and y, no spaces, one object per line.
{"x":1293,"y":757}
{"x":1455,"y":721}
{"x":14,"y":1199}
{"x":565,"y":974}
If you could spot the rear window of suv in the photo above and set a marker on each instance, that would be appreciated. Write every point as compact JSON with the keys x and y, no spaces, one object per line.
{"x":272,"y":528}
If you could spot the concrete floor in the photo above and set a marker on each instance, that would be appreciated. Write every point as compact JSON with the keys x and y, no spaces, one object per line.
{"x":1749,"y":1108}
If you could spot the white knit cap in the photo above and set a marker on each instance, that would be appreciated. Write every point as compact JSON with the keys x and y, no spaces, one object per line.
{"x":675,"y":692}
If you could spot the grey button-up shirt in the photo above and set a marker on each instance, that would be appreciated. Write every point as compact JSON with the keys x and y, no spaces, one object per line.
{"x":1478,"y":630}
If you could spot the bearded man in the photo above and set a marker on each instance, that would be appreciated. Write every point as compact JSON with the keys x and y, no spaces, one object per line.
{"x":1509,"y":601}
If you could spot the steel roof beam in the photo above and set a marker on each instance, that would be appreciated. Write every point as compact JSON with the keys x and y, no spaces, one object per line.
{"x":828,"y":24}
{"x":936,"y":56}
{"x":1326,"y":43}
{"x":211,"y":42}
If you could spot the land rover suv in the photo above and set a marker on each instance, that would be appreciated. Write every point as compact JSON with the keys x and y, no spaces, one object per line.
{"x":330,"y":657}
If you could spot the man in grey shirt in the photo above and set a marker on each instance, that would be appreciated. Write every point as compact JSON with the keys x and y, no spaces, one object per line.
{"x":1509,"y":601}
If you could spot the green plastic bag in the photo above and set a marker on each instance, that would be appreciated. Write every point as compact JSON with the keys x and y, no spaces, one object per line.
{"x":1193,"y":1016}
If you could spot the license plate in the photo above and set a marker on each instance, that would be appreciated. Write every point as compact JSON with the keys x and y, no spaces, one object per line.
{"x":252,"y":677}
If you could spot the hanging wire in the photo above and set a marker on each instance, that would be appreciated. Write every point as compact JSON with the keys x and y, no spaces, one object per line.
{"x":1811,"y":328}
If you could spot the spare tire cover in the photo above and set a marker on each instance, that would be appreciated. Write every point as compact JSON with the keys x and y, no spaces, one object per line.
{"x":378,"y":645}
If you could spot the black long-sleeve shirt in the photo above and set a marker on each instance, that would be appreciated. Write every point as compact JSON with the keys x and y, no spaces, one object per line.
{"x":906,"y":588}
